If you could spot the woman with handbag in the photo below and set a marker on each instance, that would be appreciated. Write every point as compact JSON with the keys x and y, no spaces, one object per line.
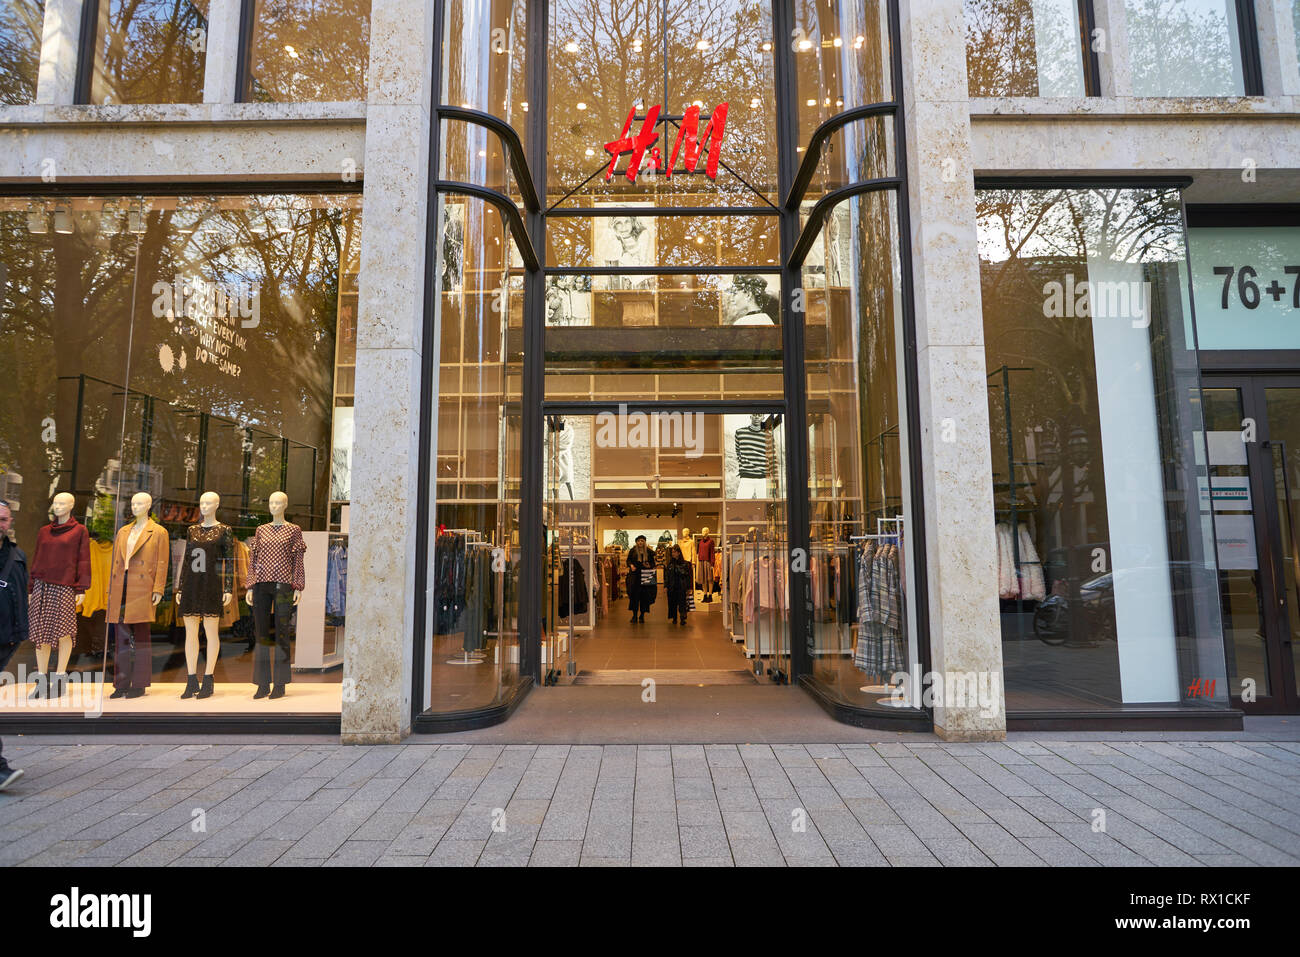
{"x":641,"y":587}
{"x":678,"y":583}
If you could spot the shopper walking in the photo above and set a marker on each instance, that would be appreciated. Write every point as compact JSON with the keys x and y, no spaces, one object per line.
{"x":13,"y":614}
{"x":641,"y":587}
{"x":678,"y":579}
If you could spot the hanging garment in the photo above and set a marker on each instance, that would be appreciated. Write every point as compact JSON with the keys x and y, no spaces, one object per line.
{"x":1007,"y":584}
{"x":230,"y":613}
{"x":571,"y":569}
{"x":764,"y":588}
{"x":336,"y":581}
{"x":101,"y":568}
{"x":1030,"y":578}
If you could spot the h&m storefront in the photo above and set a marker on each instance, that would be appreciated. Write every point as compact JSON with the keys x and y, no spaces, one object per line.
{"x":667,"y":409}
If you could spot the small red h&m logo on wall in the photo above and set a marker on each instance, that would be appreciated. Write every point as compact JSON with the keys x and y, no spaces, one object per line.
{"x":687,"y":134}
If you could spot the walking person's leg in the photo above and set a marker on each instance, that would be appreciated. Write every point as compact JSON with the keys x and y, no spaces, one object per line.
{"x":8,"y":775}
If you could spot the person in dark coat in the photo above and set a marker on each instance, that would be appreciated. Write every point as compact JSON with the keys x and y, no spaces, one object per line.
{"x":678,"y":577}
{"x":640,"y":596}
{"x":13,"y":614}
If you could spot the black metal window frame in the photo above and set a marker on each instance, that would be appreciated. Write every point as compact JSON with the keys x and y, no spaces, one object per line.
{"x":529,"y":229}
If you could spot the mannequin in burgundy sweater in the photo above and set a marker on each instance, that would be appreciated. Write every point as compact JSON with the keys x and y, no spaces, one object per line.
{"x":60,"y":575}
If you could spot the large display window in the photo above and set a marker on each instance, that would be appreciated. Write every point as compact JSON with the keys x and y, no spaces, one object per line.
{"x":147,"y":51}
{"x":179,"y":471}
{"x":1107,"y":577}
{"x":22,"y":23}
{"x":308,"y":51}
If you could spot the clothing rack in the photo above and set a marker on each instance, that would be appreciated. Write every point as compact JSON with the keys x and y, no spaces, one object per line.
{"x":473,"y":539}
{"x":1011,"y":510}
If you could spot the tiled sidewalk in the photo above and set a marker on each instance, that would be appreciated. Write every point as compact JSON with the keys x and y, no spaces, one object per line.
{"x":1030,"y":801}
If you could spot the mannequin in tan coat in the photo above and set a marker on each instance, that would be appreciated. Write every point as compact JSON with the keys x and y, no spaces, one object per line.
{"x":141,"y":554}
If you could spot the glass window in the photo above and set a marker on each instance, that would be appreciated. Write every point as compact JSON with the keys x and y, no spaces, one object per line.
{"x":1246,"y":280}
{"x":858,"y":474}
{"x":472,"y":630}
{"x":1185,"y":48}
{"x":1023,"y":48}
{"x":308,"y":51}
{"x":188,"y":366}
{"x":667,"y":61}
{"x":149,"y":51}
{"x":1106,"y":571}
{"x":21,"y":25}
{"x":841,"y":60}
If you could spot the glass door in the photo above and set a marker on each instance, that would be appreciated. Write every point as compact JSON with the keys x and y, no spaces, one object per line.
{"x":1253,"y":438}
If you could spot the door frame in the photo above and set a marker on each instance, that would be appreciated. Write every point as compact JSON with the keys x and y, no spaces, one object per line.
{"x":798,"y":656}
{"x":1283,"y":697}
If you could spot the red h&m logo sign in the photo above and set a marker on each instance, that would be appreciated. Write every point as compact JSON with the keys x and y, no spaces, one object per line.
{"x":688,"y":134}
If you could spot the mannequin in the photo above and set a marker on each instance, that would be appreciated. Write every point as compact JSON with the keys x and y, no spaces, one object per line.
{"x":563,"y":437}
{"x":60,"y":575}
{"x":704,"y":547}
{"x":751,"y":457}
{"x":276,"y":579}
{"x":141,"y":553}
{"x":204,"y":582}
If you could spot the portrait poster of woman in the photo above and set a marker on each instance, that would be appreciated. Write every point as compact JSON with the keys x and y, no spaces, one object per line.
{"x":621,"y":242}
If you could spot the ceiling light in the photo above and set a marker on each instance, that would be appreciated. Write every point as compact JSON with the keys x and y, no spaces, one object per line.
{"x":291,"y":51}
{"x":581,"y":105}
{"x":525,"y":106}
{"x":762,"y":235}
{"x":805,"y":45}
{"x":482,"y":152}
{"x":753,"y":103}
{"x":590,"y":151}
{"x":767,"y":47}
{"x":699,"y":103}
{"x":811,"y":103}
{"x":858,"y":41}
{"x":571,"y":47}
{"x":837,"y":42}
{"x":702,"y":45}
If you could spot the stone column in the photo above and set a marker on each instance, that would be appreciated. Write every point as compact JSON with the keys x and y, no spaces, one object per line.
{"x":1112,"y":47}
{"x":377,"y":670}
{"x":961,"y":554}
{"x":1277,"y":47}
{"x":56,"y":83}
{"x":221,"y":61}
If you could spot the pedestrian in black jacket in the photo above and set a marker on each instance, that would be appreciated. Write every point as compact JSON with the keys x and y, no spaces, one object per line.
{"x":640,"y":594}
{"x":13,"y":614}
{"x":678,"y":577}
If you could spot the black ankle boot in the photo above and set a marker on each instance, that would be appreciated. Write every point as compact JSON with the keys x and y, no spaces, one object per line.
{"x":120,"y":692}
{"x":205,"y":691}
{"x":191,"y":687}
{"x":278,"y":692}
{"x":262,"y":691}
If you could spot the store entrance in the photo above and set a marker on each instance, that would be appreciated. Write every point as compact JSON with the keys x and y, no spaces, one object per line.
{"x":1252,"y":427}
{"x":664,"y":535}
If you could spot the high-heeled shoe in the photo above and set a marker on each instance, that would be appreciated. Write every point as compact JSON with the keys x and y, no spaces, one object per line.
{"x":278,"y":692}
{"x":191,"y":686}
{"x":206,"y":689}
{"x":262,"y":691}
